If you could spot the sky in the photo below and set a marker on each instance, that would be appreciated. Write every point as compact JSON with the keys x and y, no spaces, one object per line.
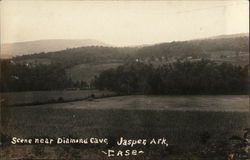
{"x":121,"y":23}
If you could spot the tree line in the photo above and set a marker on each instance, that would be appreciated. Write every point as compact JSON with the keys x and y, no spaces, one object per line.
{"x":21,"y":77}
{"x":201,"y":77}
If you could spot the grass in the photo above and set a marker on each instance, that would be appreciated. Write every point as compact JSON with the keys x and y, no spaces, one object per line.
{"x":185,"y":130}
{"x":44,"y":97}
{"x":239,"y":103}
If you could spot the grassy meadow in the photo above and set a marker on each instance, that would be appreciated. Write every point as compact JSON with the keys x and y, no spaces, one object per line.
{"x":36,"y":97}
{"x":190,"y":124}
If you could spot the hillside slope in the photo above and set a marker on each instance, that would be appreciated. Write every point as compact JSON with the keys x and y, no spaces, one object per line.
{"x":30,"y":47}
{"x":83,"y":63}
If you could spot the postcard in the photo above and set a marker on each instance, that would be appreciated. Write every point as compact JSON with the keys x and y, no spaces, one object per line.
{"x":125,"y":80}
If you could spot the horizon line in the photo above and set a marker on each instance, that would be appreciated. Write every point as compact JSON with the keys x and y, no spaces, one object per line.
{"x":115,"y":45}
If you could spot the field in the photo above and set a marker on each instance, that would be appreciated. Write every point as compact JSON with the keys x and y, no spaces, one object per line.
{"x":183,"y":120}
{"x":87,"y":72}
{"x":36,"y":97}
{"x":229,"y":103}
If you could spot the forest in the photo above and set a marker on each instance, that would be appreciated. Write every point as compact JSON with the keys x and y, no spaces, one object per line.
{"x":202,"y":77}
{"x":18,"y":77}
{"x":187,"y":67}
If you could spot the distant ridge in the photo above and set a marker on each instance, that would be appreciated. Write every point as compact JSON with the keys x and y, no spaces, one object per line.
{"x":84,"y":63}
{"x":237,"y":35}
{"x":225,"y":36}
{"x":9,"y":50}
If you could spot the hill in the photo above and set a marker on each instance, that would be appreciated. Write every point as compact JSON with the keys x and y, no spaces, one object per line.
{"x":204,"y":48}
{"x":230,"y":36}
{"x":83,"y":63}
{"x":30,"y":47}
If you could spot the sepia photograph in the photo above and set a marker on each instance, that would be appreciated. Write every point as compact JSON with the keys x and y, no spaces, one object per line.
{"x":124,"y":80}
